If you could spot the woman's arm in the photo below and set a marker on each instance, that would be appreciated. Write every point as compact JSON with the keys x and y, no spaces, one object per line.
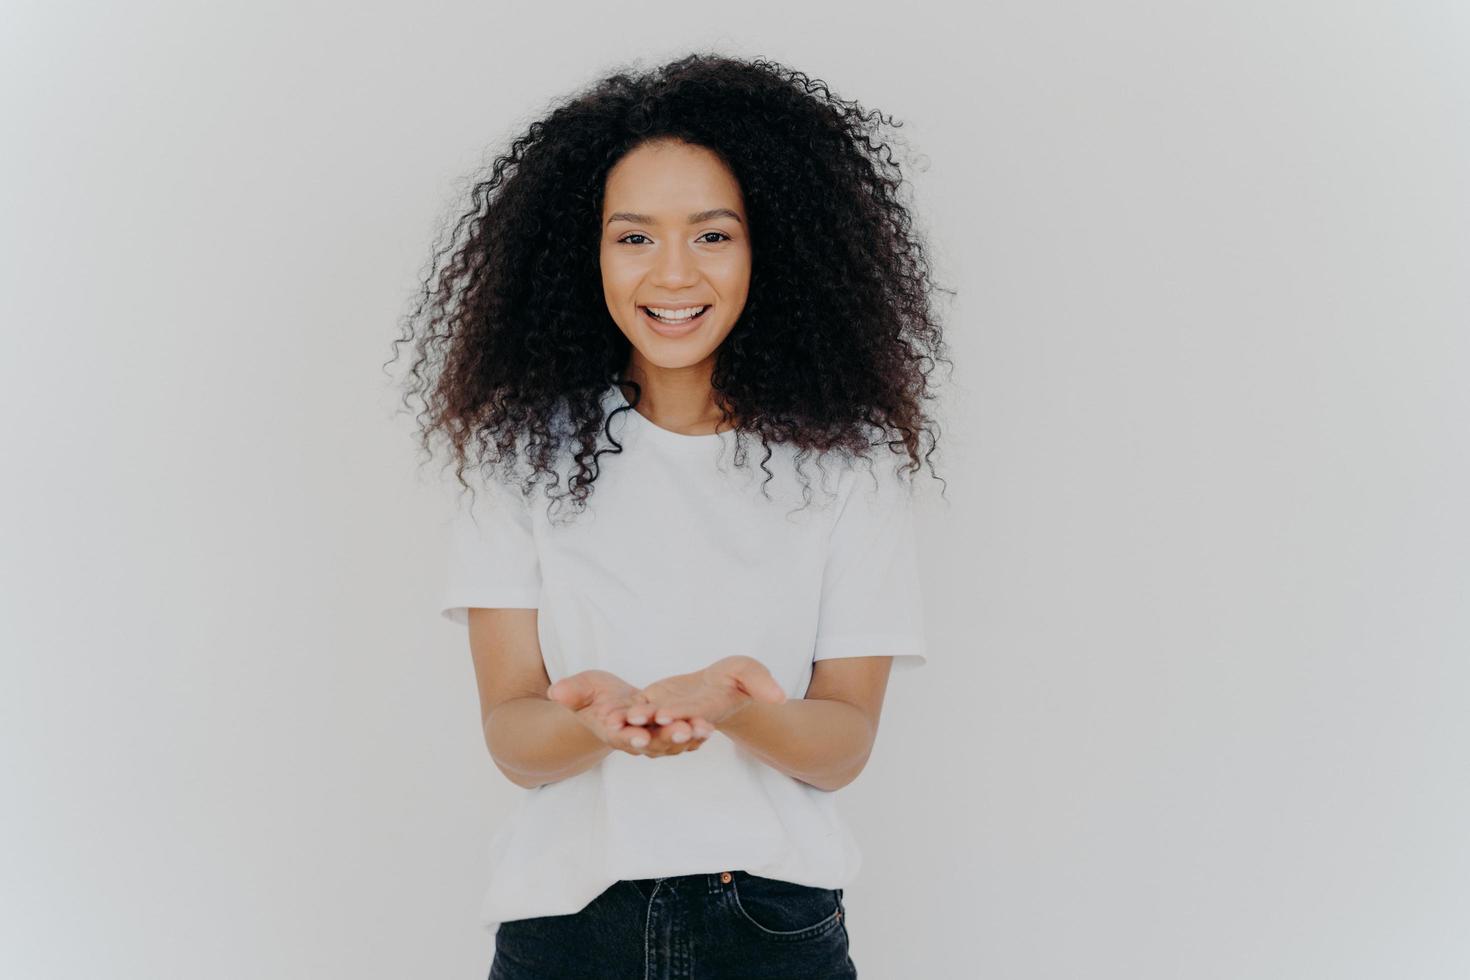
{"x":825,"y":738}
{"x":535,"y":741}
{"x":532,"y":739}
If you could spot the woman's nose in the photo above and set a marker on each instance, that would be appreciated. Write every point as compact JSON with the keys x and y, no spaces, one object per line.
{"x":674,"y":266}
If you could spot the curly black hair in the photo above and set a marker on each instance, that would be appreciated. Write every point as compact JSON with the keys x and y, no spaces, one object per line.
{"x":836,"y":342}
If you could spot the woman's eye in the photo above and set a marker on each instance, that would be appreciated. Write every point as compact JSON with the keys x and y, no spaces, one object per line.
{"x":628,"y":238}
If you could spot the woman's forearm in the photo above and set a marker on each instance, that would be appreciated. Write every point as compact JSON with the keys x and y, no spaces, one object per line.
{"x":535,"y":741}
{"x":819,"y":741}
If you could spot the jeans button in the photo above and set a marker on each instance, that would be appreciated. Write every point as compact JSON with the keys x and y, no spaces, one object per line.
{"x":725,"y":877}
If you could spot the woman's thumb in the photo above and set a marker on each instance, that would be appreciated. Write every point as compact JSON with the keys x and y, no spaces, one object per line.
{"x":575,"y":692}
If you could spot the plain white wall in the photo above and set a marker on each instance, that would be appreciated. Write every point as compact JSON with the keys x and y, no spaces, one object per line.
{"x":1197,"y":699}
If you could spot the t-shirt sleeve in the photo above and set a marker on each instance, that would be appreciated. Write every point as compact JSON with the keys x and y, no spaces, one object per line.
{"x":492,"y":561}
{"x":871,"y":602}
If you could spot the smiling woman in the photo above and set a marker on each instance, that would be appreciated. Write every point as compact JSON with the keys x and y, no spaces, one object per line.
{"x":683,"y":678}
{"x":675,"y":262}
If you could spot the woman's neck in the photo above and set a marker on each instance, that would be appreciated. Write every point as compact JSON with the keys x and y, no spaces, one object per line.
{"x":678,"y":399}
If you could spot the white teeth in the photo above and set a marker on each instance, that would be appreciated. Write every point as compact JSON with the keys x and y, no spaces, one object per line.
{"x":684,"y":314}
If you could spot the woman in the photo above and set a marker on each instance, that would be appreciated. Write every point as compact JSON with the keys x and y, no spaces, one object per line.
{"x":665,"y":268}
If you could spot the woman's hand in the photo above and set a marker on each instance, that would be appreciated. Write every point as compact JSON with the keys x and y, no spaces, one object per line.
{"x":600,"y":701}
{"x":706,"y":698}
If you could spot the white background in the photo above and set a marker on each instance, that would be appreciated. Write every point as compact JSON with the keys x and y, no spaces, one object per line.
{"x":1198,"y":597}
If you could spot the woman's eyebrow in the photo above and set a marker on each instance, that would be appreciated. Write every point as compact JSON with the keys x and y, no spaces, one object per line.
{"x":694,"y":219}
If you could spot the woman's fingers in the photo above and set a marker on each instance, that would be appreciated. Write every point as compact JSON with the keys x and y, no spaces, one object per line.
{"x":668,"y":739}
{"x":694,"y":724}
{"x":639,"y":739}
{"x":634,"y":730}
{"x":630,"y":726}
{"x":620,"y":734}
{"x":630,"y":738}
{"x":689,"y":719}
{"x":666,"y":714}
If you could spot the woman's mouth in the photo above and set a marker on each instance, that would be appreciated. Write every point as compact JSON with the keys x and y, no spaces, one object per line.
{"x":674,"y":322}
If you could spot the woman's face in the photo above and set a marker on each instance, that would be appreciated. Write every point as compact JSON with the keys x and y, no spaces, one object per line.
{"x":674,"y":237}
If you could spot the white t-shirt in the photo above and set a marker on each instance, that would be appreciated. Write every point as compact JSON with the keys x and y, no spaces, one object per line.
{"x":679,"y":560}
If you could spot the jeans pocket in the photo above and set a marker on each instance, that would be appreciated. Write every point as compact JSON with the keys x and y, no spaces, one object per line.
{"x":784,"y":910}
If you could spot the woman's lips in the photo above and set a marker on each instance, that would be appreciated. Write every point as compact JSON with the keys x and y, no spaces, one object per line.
{"x":667,"y":329}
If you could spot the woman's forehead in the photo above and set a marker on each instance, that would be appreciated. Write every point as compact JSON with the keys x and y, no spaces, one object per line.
{"x":671,"y":184}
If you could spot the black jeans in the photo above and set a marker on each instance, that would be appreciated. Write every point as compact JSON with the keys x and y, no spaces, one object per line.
{"x":720,"y":926}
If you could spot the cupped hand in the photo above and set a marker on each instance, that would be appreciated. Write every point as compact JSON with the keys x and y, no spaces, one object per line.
{"x":706,"y":698}
{"x":600,"y":700}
